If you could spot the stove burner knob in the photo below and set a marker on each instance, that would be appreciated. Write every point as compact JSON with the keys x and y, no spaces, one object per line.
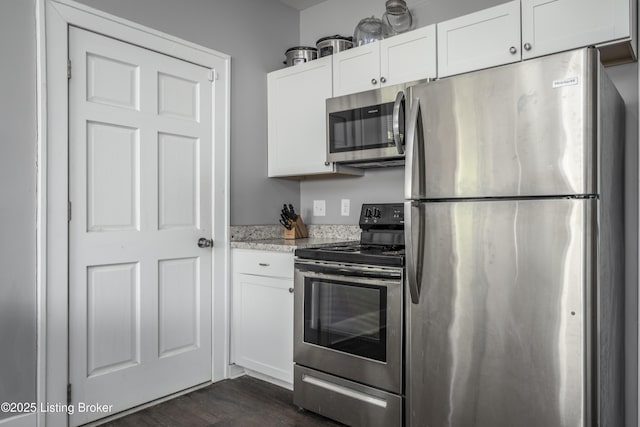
{"x":377,"y":213}
{"x":368,"y":213}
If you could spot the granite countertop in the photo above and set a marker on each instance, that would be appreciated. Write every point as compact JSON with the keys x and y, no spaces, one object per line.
{"x":269,"y":238}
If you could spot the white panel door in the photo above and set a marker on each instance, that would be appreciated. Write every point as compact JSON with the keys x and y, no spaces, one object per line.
{"x":357,"y":69}
{"x":408,"y":57}
{"x":550,"y":26}
{"x":482,"y":39}
{"x":140,"y":166}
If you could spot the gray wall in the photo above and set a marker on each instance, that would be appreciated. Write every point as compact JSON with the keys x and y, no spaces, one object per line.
{"x":376,"y":186}
{"x":255,"y":33}
{"x":18,"y":194}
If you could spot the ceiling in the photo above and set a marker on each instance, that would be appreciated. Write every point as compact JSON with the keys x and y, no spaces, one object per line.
{"x":301,"y":4}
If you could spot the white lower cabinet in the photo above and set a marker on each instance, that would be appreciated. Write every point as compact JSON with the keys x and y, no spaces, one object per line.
{"x":262,"y":313}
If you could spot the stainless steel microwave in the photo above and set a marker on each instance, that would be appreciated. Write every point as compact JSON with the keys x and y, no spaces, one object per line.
{"x":366,"y":129}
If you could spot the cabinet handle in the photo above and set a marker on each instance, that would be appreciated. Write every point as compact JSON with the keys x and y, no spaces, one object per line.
{"x":263,"y":264}
{"x":383,"y":80}
{"x":327,"y":163}
{"x":513,"y":50}
{"x":290,"y":290}
{"x":374,"y":82}
{"x":527,"y":46}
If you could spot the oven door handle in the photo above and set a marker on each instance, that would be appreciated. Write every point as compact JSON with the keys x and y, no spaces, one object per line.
{"x":323,"y":269}
{"x":344,"y":391}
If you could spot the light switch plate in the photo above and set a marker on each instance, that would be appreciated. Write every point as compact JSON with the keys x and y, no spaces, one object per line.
{"x":345,"y":205}
{"x":319,"y":208}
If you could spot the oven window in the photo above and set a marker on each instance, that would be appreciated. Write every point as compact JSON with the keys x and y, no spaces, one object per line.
{"x":347,"y":317}
{"x":361,"y":128}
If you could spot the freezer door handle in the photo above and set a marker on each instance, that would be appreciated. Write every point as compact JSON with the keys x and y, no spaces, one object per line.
{"x":412,"y":168}
{"x":414,"y":247}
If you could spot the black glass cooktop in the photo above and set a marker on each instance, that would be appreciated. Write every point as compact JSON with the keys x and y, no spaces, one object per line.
{"x":356,"y":253}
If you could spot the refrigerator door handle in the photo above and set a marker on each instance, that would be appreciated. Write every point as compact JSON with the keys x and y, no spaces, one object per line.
{"x":398,"y":136}
{"x":413,"y":238}
{"x":410,"y":145}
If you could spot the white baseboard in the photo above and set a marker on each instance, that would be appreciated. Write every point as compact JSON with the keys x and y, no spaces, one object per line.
{"x":236,"y":371}
{"x":267,"y":378}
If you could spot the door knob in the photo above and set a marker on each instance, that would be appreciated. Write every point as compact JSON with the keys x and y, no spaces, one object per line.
{"x":205,"y":243}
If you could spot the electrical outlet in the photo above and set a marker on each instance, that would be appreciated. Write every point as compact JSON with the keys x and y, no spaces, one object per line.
{"x":345,"y":204}
{"x":319,"y":208}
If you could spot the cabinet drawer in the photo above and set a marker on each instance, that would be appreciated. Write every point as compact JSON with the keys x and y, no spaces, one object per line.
{"x":263,"y":263}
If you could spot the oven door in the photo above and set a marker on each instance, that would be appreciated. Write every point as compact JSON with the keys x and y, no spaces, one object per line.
{"x":349,"y":320}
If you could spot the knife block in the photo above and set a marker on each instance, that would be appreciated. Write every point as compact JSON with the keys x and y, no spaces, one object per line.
{"x":298,"y":231}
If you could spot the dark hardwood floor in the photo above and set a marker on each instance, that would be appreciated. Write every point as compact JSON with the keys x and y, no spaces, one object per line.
{"x":242,"y":402}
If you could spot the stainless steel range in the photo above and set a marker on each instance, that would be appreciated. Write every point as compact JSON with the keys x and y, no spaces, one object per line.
{"x":349,"y":316}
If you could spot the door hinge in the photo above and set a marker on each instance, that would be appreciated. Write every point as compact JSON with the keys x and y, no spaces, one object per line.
{"x":69,"y":211}
{"x":68,"y":68}
{"x":68,"y":394}
{"x":213,"y":75}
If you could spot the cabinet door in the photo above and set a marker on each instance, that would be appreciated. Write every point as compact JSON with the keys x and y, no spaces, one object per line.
{"x":408,"y":57}
{"x":483,"y":39}
{"x":263,"y":325}
{"x":555,"y":25}
{"x":357,"y":69}
{"x":296,"y":119}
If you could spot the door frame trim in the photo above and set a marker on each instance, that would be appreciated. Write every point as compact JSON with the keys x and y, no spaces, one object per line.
{"x":52,"y":273}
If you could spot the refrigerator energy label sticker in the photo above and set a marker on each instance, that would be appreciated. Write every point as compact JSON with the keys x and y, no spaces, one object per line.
{"x":570,"y":81}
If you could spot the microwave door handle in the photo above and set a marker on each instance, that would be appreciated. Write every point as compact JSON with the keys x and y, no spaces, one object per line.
{"x":398,"y":138}
{"x":414,"y":247}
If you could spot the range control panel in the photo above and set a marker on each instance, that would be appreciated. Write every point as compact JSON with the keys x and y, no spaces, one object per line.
{"x":382,"y":215}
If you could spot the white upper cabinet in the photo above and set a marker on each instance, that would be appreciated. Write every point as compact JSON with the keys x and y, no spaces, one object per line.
{"x":356,"y":70}
{"x":509,"y":32}
{"x":408,"y":57}
{"x":296,"y":108}
{"x":482,"y":39}
{"x":550,"y":26}
{"x":297,"y":129}
{"x":403,"y":58}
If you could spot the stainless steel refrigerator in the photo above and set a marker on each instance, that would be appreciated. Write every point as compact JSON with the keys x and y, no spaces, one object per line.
{"x":514,"y":234}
